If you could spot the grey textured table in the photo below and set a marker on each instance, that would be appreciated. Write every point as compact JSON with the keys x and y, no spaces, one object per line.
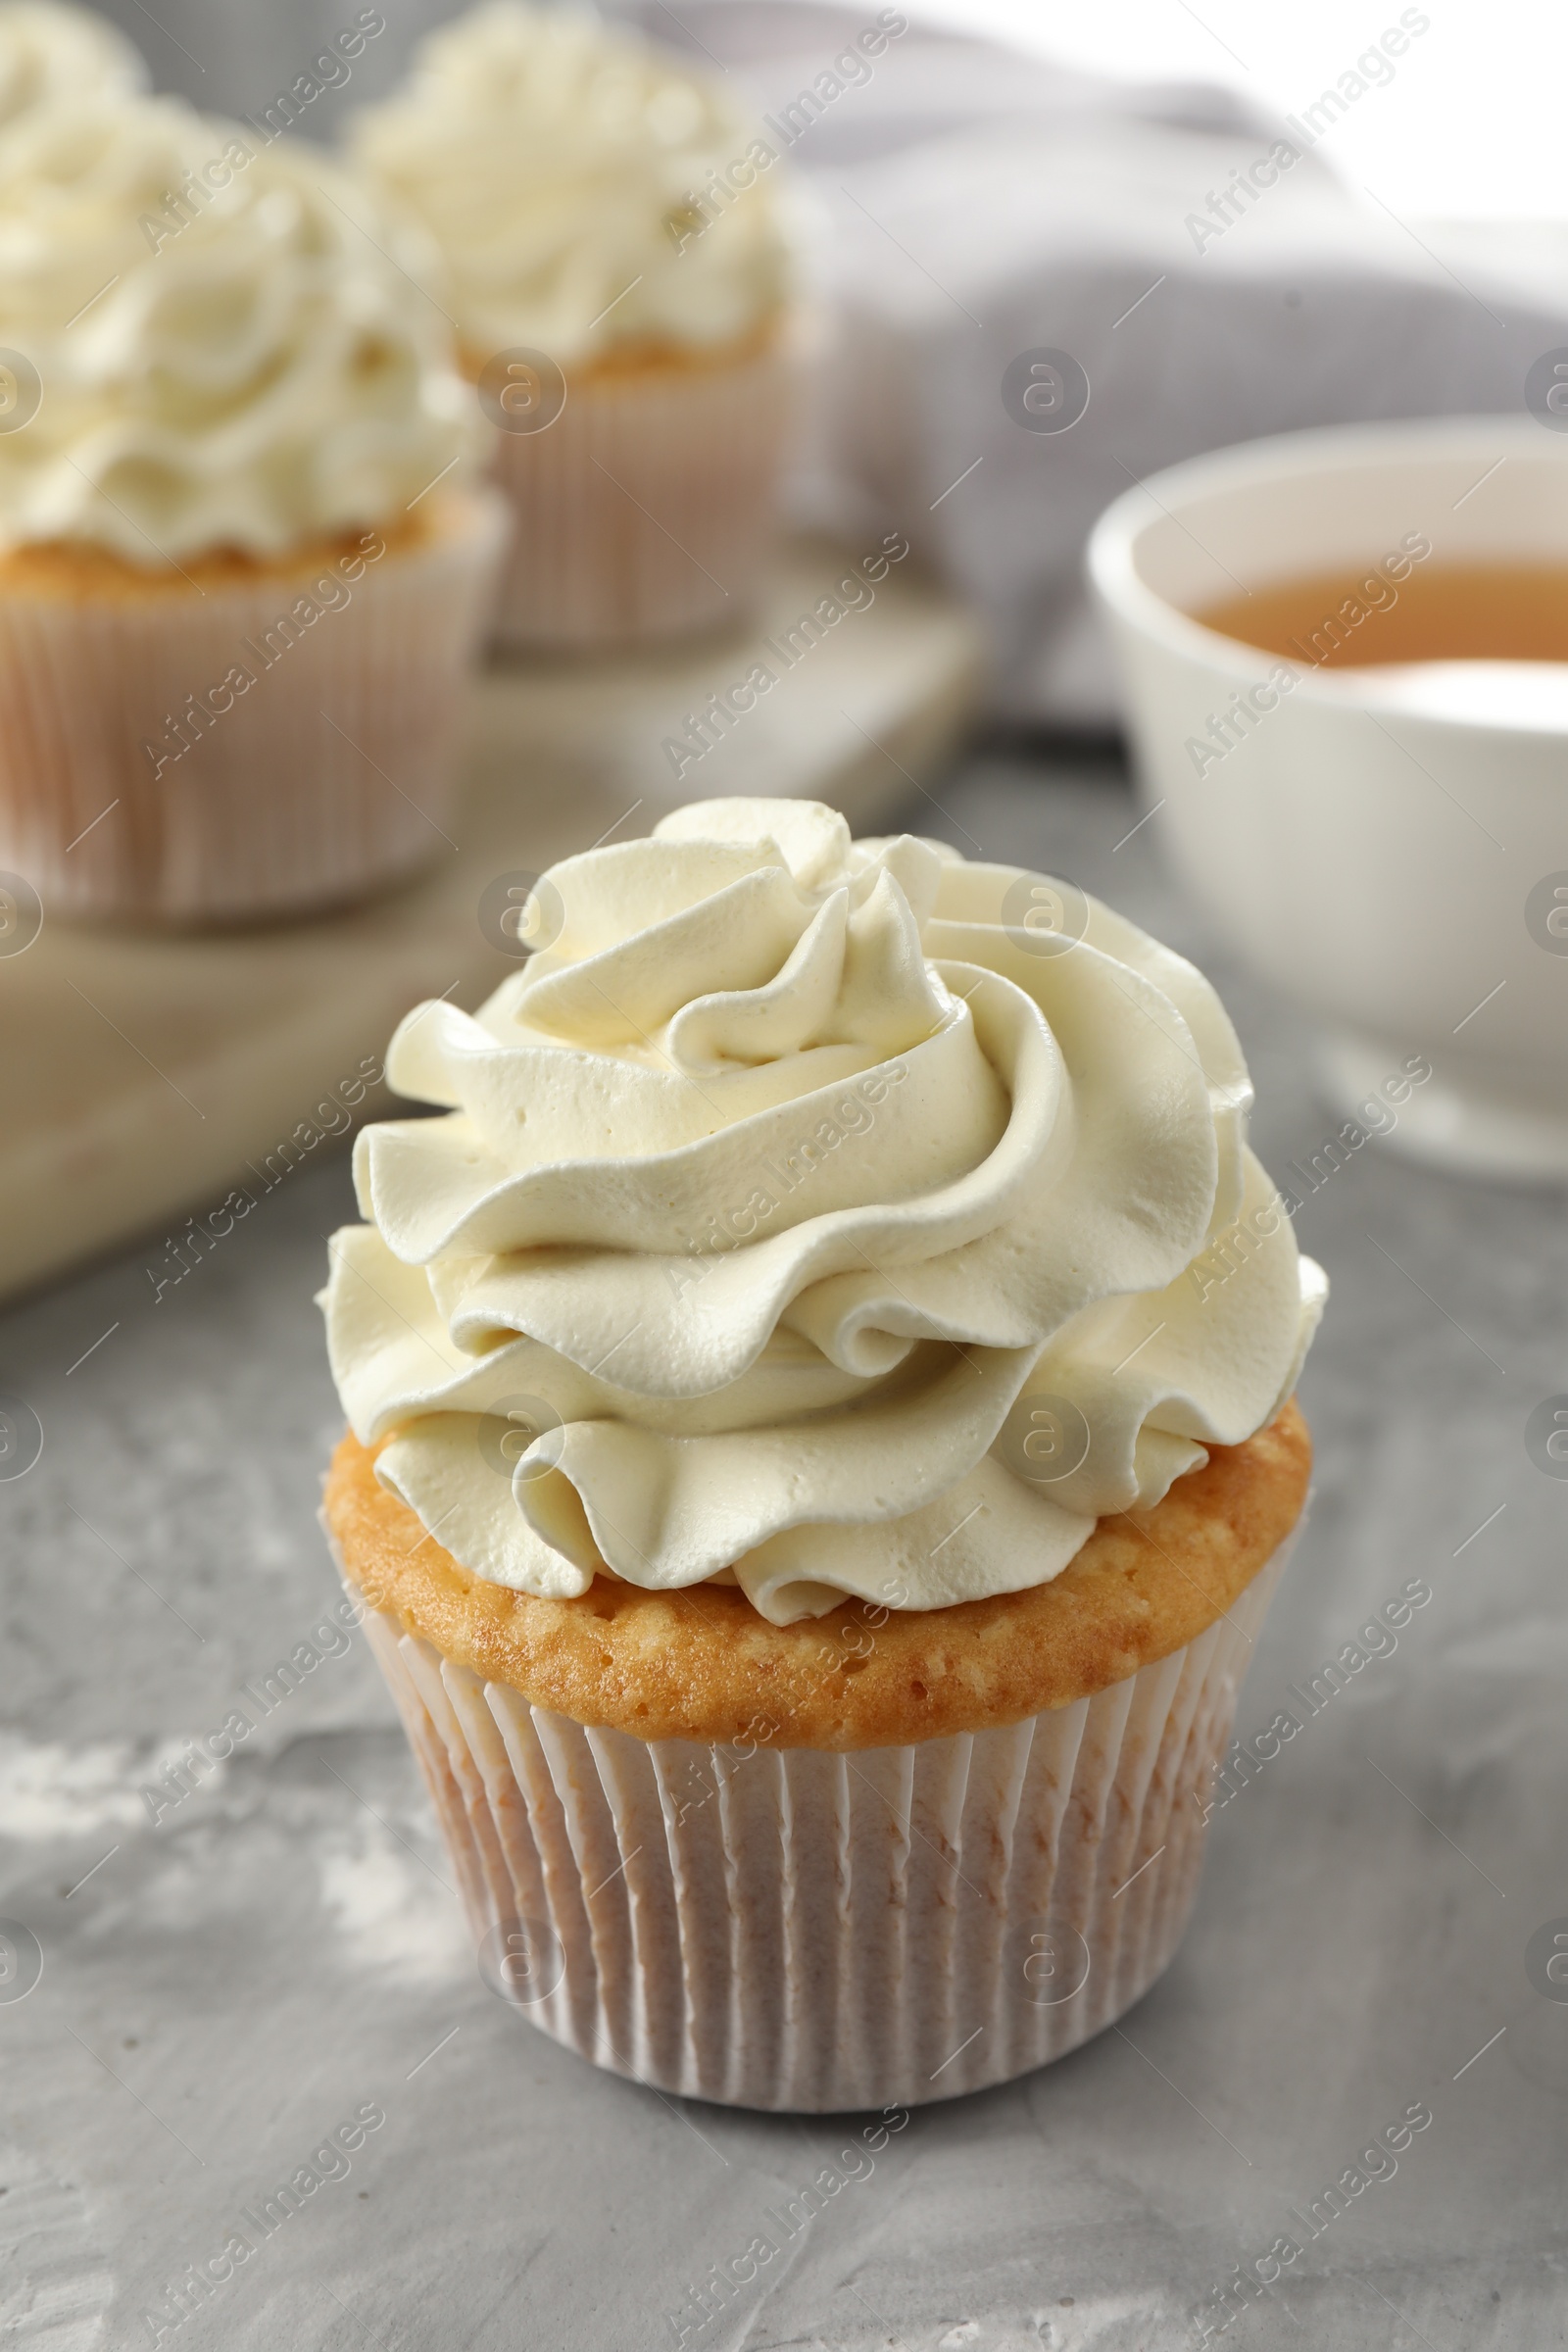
{"x":281,"y":1951}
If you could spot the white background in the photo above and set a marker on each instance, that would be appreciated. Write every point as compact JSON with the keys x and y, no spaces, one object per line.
{"x":1472,"y":126}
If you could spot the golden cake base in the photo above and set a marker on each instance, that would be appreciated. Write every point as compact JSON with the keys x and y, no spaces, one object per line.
{"x":698,"y":1663}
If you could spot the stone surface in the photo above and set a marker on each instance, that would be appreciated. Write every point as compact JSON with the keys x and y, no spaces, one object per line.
{"x":222,"y":1991}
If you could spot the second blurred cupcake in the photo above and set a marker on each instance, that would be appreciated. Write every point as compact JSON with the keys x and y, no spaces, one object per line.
{"x":240,"y":578}
{"x":620,"y":280}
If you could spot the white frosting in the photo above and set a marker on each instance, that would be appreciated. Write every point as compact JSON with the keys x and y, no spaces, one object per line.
{"x":249,"y":367}
{"x":48,"y":51}
{"x":779,"y":1175}
{"x":549,"y":159}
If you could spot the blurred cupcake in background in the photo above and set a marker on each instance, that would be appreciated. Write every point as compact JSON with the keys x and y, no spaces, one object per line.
{"x":621,"y":275}
{"x":241,"y":572}
{"x":48,"y":53}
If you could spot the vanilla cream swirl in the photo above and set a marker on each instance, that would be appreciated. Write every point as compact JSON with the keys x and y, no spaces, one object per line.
{"x":220,"y":340}
{"x":772,"y":1189}
{"x":48,"y":51}
{"x":555,"y":162}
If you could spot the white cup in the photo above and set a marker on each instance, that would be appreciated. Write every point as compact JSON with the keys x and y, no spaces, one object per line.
{"x":1388,"y":846}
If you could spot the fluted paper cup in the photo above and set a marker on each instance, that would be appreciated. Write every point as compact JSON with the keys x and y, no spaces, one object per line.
{"x":142,"y":779}
{"x":646,"y":497}
{"x":801,"y":1929}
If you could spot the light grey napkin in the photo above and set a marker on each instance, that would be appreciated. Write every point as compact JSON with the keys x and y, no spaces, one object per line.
{"x":975,"y":205}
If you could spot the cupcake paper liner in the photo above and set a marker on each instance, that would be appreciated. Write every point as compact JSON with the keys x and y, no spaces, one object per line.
{"x":804,"y":1930}
{"x":330,"y":774}
{"x":648,"y":508}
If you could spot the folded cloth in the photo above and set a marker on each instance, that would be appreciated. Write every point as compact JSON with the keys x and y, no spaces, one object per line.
{"x":973,"y":205}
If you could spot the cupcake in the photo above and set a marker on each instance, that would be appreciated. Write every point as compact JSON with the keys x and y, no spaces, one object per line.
{"x":619,"y":282}
{"x":822,"y":1450}
{"x":48,"y":53}
{"x":241,"y":574}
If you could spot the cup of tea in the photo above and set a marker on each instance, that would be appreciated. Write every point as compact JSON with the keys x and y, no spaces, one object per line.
{"x":1344,"y":656}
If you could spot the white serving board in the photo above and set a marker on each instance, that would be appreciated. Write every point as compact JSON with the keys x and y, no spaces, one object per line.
{"x":143,"y":1074}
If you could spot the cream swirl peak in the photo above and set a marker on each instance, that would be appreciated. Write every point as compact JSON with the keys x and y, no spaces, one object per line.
{"x":562,"y":168}
{"x":225,"y":345}
{"x":48,"y":51}
{"x":799,"y":1200}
